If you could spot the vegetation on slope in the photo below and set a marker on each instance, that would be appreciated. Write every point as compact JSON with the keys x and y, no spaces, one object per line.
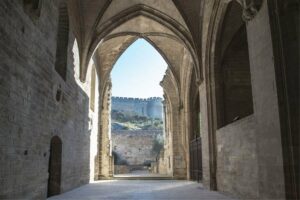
{"x":120,"y":121}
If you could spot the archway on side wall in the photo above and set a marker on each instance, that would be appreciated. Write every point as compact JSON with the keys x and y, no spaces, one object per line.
{"x":174,"y":134}
{"x":54,"y":169}
{"x":232,"y":72}
{"x":195,"y":145}
{"x":229,"y":89}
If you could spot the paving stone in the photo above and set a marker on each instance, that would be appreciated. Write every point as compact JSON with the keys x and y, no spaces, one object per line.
{"x":141,"y":189}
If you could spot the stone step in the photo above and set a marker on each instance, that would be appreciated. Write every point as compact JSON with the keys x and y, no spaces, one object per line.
{"x":142,"y":178}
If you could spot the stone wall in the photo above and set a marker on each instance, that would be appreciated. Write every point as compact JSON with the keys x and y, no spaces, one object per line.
{"x":244,"y":158}
{"x":121,"y":169}
{"x":134,"y":146}
{"x":249,"y":165}
{"x":37,"y":104}
{"x":236,"y":148}
{"x":150,"y":107}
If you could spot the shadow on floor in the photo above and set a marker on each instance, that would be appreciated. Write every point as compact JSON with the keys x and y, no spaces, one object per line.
{"x":141,"y":189}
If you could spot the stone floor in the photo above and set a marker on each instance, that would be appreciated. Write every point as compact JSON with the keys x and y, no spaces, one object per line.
{"x":140,"y":173}
{"x":141,"y":189}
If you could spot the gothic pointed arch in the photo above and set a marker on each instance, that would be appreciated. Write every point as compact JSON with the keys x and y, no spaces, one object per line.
{"x":130,"y":14}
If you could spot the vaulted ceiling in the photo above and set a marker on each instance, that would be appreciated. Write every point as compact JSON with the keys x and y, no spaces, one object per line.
{"x":112,"y":25}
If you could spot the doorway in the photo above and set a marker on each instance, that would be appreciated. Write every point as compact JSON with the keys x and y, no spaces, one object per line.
{"x":54,"y":169}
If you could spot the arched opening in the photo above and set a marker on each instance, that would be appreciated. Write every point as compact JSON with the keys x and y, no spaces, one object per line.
{"x":172,"y":41}
{"x":229,"y":97}
{"x":137,"y":110}
{"x":157,"y":24}
{"x":62,"y":41}
{"x":54,"y":169}
{"x":232,"y":73}
{"x":175,"y":164}
{"x":195,"y":141}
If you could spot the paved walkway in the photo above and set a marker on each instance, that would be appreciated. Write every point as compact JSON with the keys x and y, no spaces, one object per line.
{"x":141,"y":189}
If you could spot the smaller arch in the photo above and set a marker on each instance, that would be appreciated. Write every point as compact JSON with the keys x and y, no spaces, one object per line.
{"x":165,"y":58}
{"x":54,"y":169}
{"x":195,"y":147}
{"x":233,"y":90}
{"x":124,"y":48}
{"x":212,"y":65}
{"x":162,"y":54}
{"x":169,"y":83}
{"x":145,"y":37}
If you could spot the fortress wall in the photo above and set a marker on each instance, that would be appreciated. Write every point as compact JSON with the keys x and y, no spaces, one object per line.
{"x":150,"y":107}
{"x":155,"y":109}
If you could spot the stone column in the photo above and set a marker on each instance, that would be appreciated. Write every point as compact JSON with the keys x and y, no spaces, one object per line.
{"x":266,"y":109}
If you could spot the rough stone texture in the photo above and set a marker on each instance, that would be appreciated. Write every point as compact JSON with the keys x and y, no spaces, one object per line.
{"x":206,"y":167}
{"x":30,"y":115}
{"x":167,"y":7}
{"x":121,"y":169}
{"x":94,"y":134}
{"x":264,"y":141}
{"x":186,"y":34}
{"x":285,"y":42}
{"x":165,"y":163}
{"x":173,"y":128}
{"x":266,"y":108}
{"x":134,"y":146}
{"x":105,"y":138}
{"x":237,"y":169}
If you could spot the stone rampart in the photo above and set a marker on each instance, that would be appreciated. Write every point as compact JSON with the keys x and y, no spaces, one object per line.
{"x":151,"y":107}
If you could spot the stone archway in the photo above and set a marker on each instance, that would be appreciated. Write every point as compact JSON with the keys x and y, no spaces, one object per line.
{"x":171,"y":41}
{"x":54,"y":170}
{"x":232,"y":78}
{"x":195,"y":141}
{"x":105,"y":30}
{"x":227,"y":38}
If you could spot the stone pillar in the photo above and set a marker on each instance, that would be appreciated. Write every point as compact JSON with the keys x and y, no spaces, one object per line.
{"x":266,"y":109}
{"x":178,"y":147}
{"x":175,"y":108}
{"x":105,"y":132}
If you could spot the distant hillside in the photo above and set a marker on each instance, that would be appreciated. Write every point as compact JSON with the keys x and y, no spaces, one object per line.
{"x":121,"y":121}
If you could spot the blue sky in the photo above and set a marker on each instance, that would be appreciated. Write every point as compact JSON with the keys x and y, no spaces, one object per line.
{"x":138,"y":71}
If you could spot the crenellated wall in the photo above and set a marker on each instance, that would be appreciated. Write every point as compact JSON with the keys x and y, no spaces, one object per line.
{"x":151,"y":107}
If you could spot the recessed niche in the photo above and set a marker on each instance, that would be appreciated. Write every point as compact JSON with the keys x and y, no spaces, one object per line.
{"x":58,"y":95}
{"x":32,"y":8}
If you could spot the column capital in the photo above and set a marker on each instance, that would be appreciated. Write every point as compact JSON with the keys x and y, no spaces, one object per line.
{"x":198,"y":82}
{"x":250,"y":8}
